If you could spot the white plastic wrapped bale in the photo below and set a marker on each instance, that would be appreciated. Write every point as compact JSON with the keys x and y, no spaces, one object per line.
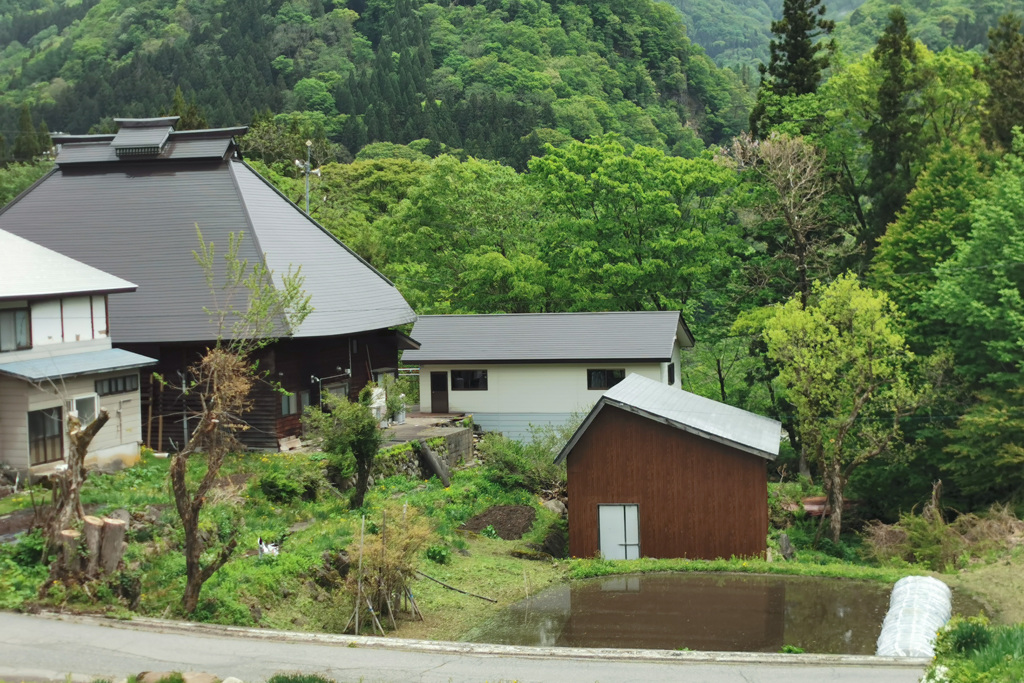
{"x":918,"y":608}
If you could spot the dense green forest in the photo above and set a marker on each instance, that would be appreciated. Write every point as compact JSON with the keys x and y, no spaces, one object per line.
{"x":853,"y":269}
{"x":496,"y":79}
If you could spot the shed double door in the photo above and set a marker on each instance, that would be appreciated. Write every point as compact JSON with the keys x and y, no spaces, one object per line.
{"x":619,"y":531}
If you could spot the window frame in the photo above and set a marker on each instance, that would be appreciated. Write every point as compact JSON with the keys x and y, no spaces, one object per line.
{"x":44,"y":444}
{"x":127,"y":381}
{"x":96,"y":406}
{"x":27,"y":310}
{"x":467,"y":380}
{"x":592,"y":373}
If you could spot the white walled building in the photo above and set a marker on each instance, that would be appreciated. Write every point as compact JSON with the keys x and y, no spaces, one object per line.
{"x":56,"y":357}
{"x":511,"y":371}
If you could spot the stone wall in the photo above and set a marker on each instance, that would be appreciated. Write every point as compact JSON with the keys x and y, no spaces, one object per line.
{"x":452,"y":445}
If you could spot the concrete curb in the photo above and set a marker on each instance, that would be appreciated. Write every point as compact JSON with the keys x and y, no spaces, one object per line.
{"x":487,"y":650}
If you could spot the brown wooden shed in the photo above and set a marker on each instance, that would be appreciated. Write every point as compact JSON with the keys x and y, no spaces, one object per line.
{"x":655,"y":471}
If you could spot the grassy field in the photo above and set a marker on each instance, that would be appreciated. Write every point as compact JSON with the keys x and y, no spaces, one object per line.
{"x":284,"y":499}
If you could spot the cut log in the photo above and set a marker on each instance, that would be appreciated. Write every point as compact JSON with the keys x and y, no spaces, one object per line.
{"x":93,"y":527}
{"x":71,"y":560}
{"x":434,"y":464}
{"x":112,"y":546}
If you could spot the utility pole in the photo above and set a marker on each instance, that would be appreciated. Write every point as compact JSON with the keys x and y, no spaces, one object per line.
{"x":309,"y":147}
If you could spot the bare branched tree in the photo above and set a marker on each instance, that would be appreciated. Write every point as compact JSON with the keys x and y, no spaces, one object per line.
{"x":791,"y":172}
{"x":223,"y":381}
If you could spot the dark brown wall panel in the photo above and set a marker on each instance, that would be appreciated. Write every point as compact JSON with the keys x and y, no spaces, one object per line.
{"x":697,"y":498}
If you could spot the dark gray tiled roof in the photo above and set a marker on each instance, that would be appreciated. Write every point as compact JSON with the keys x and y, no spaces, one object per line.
{"x":71,"y":365}
{"x":709,"y":419}
{"x":137,"y":220}
{"x":548,"y":337}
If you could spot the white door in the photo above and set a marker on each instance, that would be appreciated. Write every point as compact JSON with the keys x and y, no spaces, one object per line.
{"x":619,"y":531}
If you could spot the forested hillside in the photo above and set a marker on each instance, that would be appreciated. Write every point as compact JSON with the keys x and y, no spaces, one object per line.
{"x":495,"y":79}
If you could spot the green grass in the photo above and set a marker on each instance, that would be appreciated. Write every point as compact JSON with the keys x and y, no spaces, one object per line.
{"x":590,"y":568}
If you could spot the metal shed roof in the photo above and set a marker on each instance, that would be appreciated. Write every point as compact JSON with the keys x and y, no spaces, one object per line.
{"x":30,"y":271}
{"x":137,"y":219}
{"x":688,"y":412}
{"x":548,"y":337}
{"x":71,"y":365}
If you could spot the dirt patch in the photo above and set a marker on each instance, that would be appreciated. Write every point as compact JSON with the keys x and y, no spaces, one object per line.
{"x":509,"y":521}
{"x":233,"y":480}
{"x":999,"y":586}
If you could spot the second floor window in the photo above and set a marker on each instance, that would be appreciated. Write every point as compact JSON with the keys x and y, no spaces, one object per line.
{"x":14,"y":330}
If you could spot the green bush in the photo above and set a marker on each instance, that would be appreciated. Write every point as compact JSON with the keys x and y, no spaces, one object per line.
{"x":279,"y":487}
{"x":28,"y":552}
{"x":439,"y":554}
{"x":963,"y":636}
{"x":971,"y":651}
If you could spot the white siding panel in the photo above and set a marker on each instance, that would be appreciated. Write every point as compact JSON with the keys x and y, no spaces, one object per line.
{"x":540,"y":388}
{"x":14,"y":422}
{"x":46,"y":324}
{"x":99,"y":316}
{"x":77,"y":319}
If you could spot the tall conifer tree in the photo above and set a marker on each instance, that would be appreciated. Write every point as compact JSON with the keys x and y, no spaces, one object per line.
{"x":798,"y":57}
{"x":1004,"y":73}
{"x":892,"y":134}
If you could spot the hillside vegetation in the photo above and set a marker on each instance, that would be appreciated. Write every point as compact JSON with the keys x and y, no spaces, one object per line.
{"x":496,"y":79}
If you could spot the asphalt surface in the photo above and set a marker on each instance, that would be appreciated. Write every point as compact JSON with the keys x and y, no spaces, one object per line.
{"x":81,"y":649}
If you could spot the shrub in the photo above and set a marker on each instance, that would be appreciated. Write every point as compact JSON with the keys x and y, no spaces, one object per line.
{"x":30,"y":548}
{"x":971,"y":651}
{"x":489,"y":531}
{"x":439,"y":554}
{"x":927,"y":539}
{"x":963,"y":636}
{"x":279,"y":487}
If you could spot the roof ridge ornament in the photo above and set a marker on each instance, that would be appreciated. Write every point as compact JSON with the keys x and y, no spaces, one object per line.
{"x":142,"y":137}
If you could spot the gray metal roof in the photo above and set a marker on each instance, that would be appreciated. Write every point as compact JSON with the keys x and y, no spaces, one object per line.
{"x":179,"y":147}
{"x":137,"y":219}
{"x":30,"y":271}
{"x":691,"y":413}
{"x":71,"y":365}
{"x":548,"y":337}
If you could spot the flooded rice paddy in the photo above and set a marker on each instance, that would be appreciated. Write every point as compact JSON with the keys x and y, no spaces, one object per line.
{"x":724,"y":612}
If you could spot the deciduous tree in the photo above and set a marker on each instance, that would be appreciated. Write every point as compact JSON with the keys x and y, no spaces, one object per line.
{"x":847,"y":370}
{"x":222,"y":381}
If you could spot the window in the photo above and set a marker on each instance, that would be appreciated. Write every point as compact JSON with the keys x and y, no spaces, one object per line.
{"x":672,"y":373}
{"x":294,"y":404}
{"x":14,"y":330}
{"x":45,"y":435}
{"x":604,"y":379}
{"x":87,"y":407}
{"x":469,"y":380}
{"x":117,"y":385}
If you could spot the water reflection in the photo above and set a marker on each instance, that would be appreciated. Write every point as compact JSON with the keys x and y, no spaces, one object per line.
{"x":700,"y":612}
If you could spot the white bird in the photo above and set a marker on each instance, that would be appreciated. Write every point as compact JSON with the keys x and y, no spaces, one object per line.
{"x":268,"y":548}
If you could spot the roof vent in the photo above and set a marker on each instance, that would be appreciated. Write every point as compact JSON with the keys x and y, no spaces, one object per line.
{"x":142,"y":137}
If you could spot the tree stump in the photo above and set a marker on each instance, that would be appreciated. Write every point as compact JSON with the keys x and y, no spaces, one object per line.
{"x":71,"y":560}
{"x":93,"y":527}
{"x":112,"y":545}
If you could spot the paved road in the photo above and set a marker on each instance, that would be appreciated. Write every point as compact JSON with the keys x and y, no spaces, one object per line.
{"x":48,"y":648}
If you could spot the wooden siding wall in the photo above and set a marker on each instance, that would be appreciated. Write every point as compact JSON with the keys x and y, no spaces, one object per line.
{"x":291,"y":362}
{"x":697,"y":498}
